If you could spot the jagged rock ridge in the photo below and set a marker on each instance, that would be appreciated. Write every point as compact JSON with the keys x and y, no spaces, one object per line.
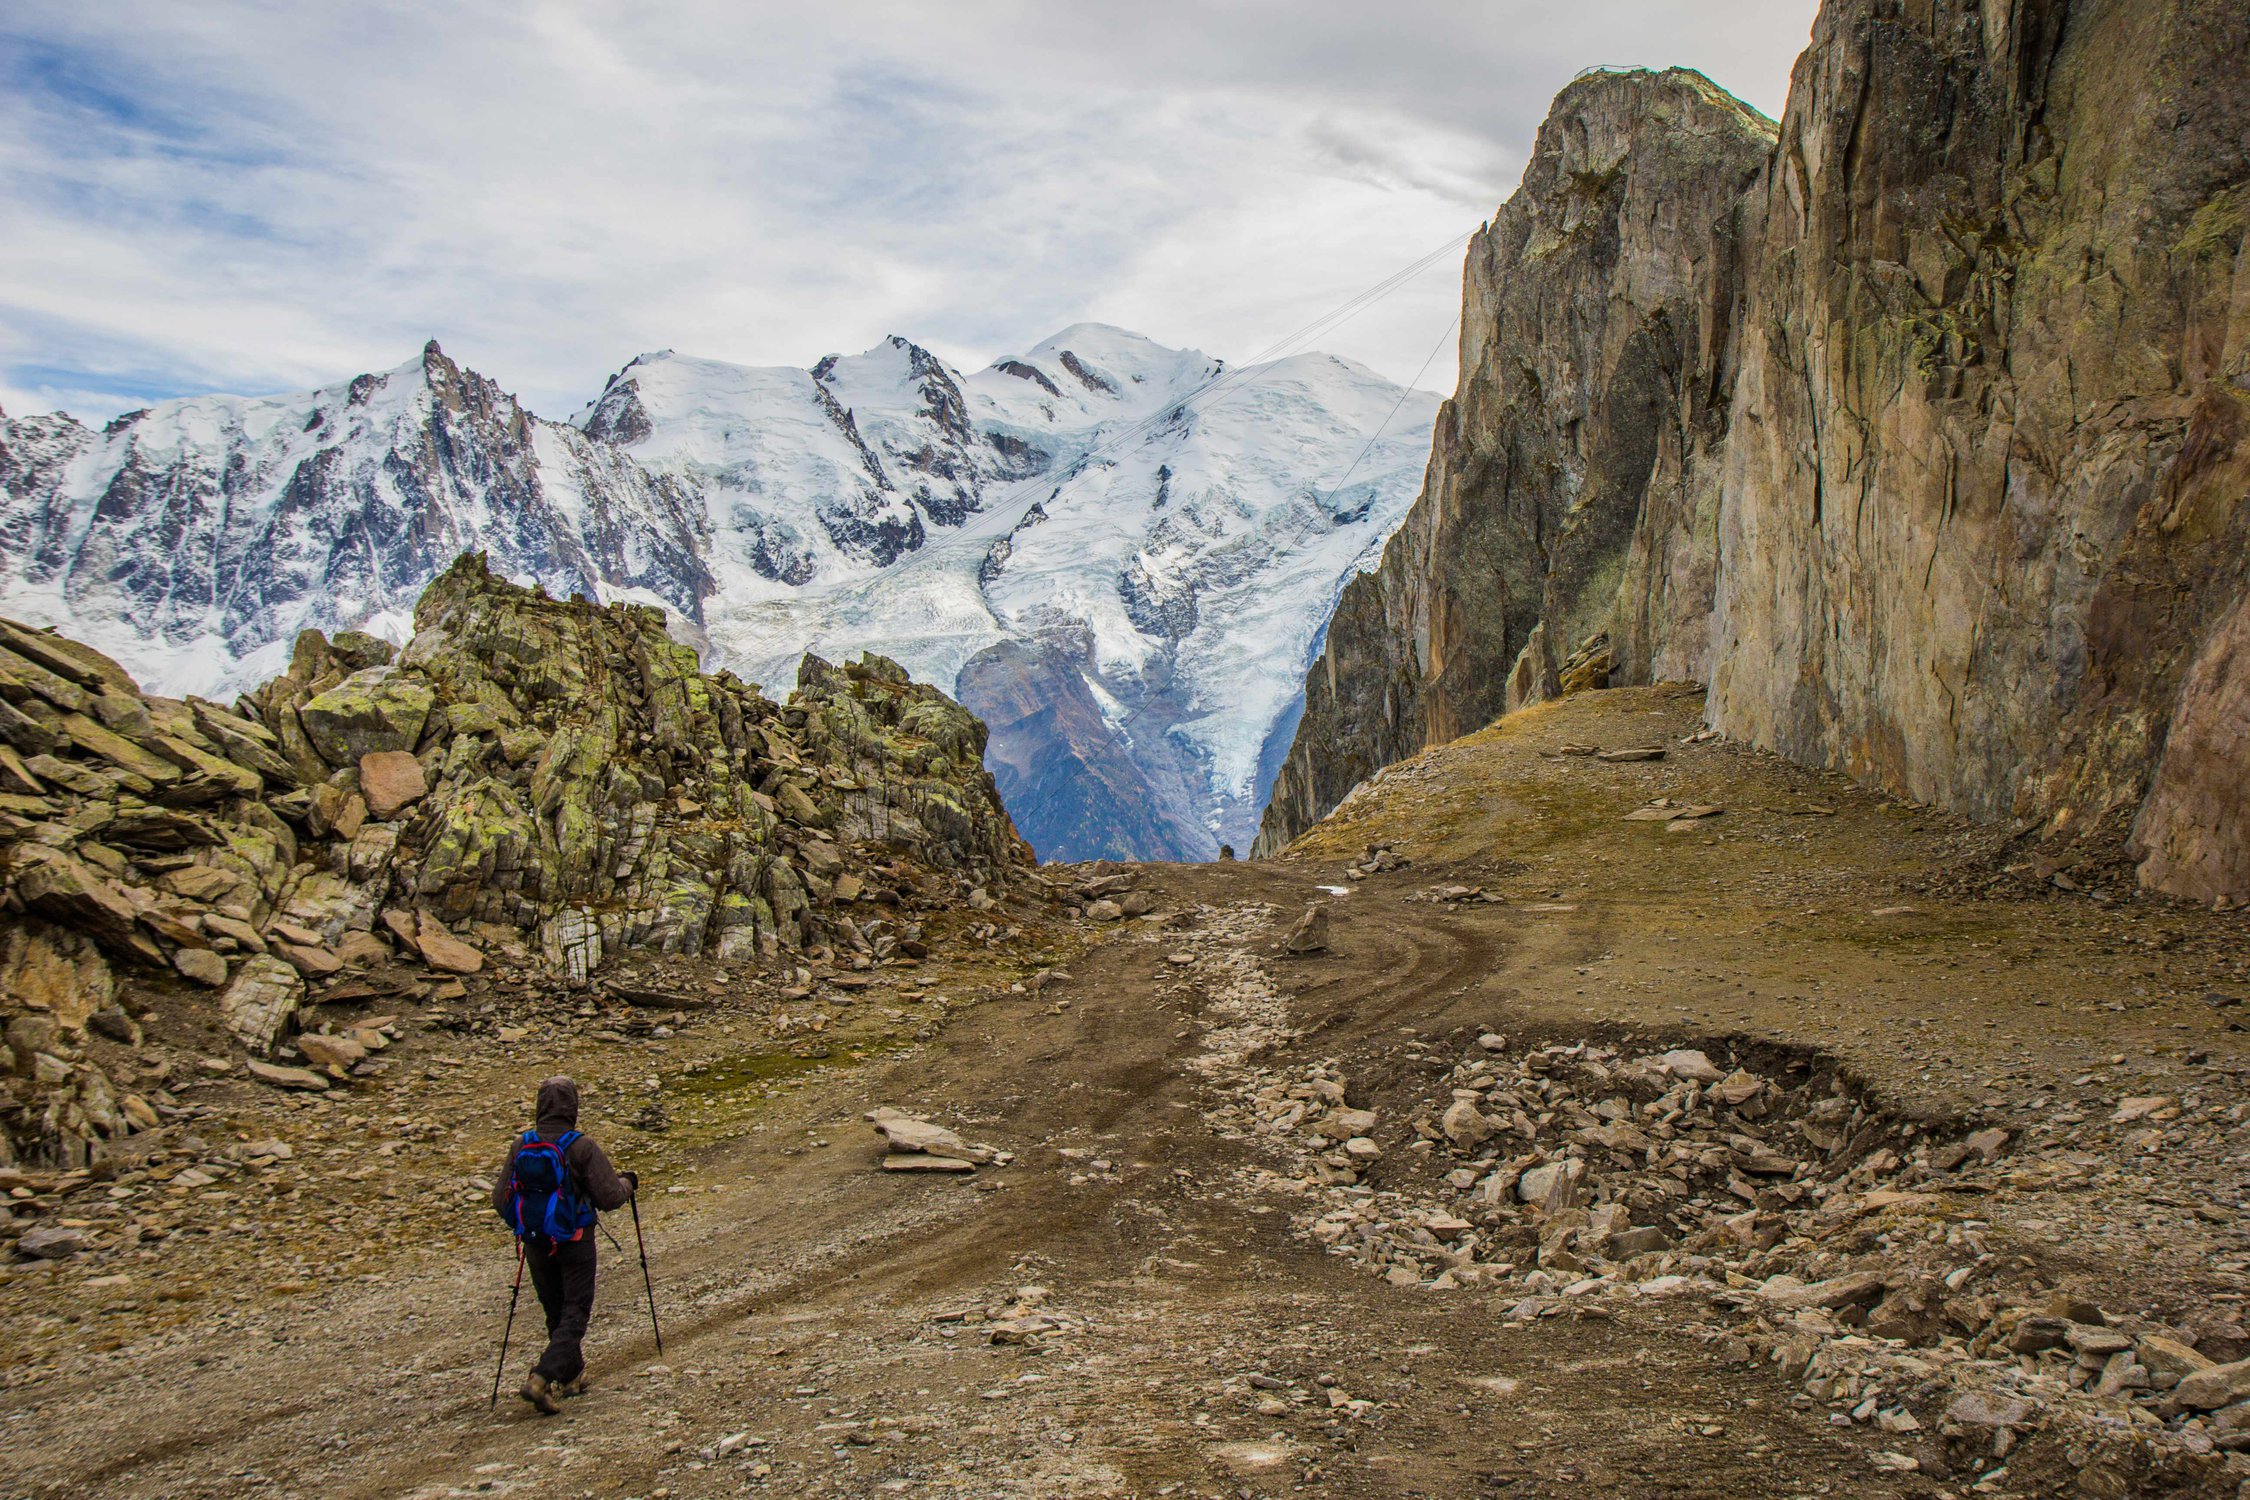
{"x":552,"y":781}
{"x":1962,"y":466}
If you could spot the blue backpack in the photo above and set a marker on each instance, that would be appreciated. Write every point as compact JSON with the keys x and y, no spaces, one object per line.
{"x":543,"y":1195}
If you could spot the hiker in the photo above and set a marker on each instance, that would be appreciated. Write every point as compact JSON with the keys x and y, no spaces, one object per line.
{"x":548,"y":1189}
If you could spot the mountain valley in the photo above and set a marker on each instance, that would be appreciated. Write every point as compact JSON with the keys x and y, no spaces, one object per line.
{"x":1741,"y":988}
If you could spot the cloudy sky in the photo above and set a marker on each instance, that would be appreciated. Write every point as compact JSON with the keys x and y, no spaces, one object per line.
{"x":258,"y":195}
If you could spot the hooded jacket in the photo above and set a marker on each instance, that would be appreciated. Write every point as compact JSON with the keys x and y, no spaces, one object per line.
{"x":555,"y":1115}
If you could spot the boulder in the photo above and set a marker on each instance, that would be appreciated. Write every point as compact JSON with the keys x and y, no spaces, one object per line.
{"x":2168,"y":1361}
{"x":246,"y":743}
{"x":65,"y":890}
{"x":313,"y":960}
{"x":798,"y":806}
{"x":258,"y":1005}
{"x":2214,"y":1387}
{"x":1465,"y":1125}
{"x":390,"y":781}
{"x":67,"y":658}
{"x":286,"y":1078}
{"x":1310,"y":932}
{"x":51,"y":1242}
{"x":210,"y":776}
{"x":358,"y":950}
{"x":97,"y":740}
{"x":368,"y":712}
{"x":1543,"y":1185}
{"x":1341,"y":1123}
{"x":17,"y":778}
{"x":1627,"y":1243}
{"x":55,"y":972}
{"x":334,"y":1053}
{"x":1691,"y":1064}
{"x":1988,"y":1410}
{"x":356,"y":650}
{"x":1855,"y":1288}
{"x":442,"y":950}
{"x":909,"y":1135}
{"x":201,"y":965}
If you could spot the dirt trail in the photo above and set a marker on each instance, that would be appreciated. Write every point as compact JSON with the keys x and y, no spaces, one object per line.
{"x":829,"y":1328}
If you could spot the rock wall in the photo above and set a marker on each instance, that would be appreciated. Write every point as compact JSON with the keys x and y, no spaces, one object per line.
{"x":1967,"y":516}
{"x":1572,"y":490}
{"x":553,"y":782}
{"x":1985,"y":496}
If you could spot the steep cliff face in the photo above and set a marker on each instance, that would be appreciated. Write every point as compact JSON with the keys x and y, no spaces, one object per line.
{"x":1572,"y":486}
{"x":1962,"y":441}
{"x":1984,"y":540}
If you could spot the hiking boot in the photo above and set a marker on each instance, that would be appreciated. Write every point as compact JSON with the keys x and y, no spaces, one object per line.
{"x":540,"y":1392}
{"x":575,"y":1387}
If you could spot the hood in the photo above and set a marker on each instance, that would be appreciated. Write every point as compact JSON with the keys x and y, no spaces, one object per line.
{"x":558,"y":1105}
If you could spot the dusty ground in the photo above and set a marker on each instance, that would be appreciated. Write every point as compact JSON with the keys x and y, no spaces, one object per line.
{"x":827,"y":1327}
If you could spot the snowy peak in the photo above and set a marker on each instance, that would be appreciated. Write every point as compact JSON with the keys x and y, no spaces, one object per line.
{"x":194,"y":538}
{"x":1087,"y":375}
{"x":1119,"y":551}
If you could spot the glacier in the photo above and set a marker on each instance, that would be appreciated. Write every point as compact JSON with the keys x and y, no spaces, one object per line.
{"x":1118,"y":553}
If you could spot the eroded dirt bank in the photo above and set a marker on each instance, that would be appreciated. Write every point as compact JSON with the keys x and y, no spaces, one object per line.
{"x":1957,"y":1135}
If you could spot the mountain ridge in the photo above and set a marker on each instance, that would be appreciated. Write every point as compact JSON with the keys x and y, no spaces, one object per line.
{"x":762,"y":506}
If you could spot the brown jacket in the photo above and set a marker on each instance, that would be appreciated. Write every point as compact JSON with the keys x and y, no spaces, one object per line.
{"x":557,"y":1116}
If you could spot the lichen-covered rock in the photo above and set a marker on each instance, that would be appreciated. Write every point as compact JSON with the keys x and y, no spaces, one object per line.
{"x":663,"y":799}
{"x":258,"y":1005}
{"x":369,"y":712}
{"x":528,"y":780}
{"x":55,"y":972}
{"x":1985,"y":538}
{"x":65,"y":890}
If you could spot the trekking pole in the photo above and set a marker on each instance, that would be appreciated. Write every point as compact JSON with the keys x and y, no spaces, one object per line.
{"x":508,"y":1331}
{"x":646,"y":1280}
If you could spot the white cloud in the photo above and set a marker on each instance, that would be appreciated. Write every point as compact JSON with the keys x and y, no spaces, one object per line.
{"x":249,"y":196}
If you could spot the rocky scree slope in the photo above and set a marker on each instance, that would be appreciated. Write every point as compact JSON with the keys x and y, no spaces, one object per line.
{"x":1143,"y":533}
{"x":1969,"y":505}
{"x":555,"y":783}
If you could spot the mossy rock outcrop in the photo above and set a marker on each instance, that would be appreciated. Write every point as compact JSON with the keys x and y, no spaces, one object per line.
{"x":368,"y":712}
{"x":590,"y":792}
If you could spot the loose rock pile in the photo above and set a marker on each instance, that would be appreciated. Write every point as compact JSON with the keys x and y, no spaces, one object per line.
{"x":1578,"y":1179}
{"x":553,"y":782}
{"x":1101,"y":898}
{"x":1379,"y":859}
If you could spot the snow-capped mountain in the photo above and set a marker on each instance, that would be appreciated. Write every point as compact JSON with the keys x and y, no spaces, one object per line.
{"x":194,"y":539}
{"x":1119,"y":554}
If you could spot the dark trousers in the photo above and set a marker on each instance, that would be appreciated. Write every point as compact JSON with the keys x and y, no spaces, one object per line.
{"x":562,"y":1272}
